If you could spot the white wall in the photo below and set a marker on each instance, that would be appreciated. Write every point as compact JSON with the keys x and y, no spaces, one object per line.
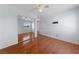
{"x":67,"y":29}
{"x":8,"y":25}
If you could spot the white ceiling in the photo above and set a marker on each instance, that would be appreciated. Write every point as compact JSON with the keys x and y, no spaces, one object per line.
{"x":53,"y":8}
{"x":56,"y":8}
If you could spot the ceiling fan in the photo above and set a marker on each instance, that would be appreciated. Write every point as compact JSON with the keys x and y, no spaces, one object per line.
{"x":40,"y":8}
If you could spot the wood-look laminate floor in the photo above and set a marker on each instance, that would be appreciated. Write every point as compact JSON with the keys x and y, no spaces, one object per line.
{"x":42,"y":45}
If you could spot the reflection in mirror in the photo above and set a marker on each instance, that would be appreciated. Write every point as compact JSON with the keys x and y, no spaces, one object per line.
{"x":27,"y":28}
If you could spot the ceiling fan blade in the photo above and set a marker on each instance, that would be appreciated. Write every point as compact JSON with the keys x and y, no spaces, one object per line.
{"x":39,"y":7}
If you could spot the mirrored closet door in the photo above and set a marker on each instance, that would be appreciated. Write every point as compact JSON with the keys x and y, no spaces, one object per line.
{"x":27,"y":28}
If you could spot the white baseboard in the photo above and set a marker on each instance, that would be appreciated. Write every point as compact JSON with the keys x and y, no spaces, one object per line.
{"x":58,"y":38}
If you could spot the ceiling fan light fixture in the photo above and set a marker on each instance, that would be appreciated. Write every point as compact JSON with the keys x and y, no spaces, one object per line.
{"x":40,"y":10}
